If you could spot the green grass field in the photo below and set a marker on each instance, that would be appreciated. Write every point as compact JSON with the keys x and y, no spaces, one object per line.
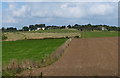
{"x":29,"y":49}
{"x":100,"y":34}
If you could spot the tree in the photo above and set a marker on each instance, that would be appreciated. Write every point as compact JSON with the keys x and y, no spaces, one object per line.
{"x":31,"y":27}
{"x":3,"y":29}
{"x":76,"y":25}
{"x":89,"y":25}
{"x":69,"y":26}
{"x":25,"y":28}
{"x":42,"y":25}
{"x":63,"y":27}
{"x":11,"y":29}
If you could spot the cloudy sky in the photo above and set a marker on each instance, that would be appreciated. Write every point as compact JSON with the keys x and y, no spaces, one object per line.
{"x":19,"y":14}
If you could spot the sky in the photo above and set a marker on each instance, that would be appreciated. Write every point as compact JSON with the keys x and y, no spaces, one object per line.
{"x":19,"y":14}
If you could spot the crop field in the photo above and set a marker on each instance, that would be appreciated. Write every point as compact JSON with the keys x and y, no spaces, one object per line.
{"x":100,"y":34}
{"x":57,"y":31}
{"x":53,"y":33}
{"x":29,"y":49}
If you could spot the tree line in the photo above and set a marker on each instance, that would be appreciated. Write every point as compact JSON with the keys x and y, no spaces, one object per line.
{"x":87,"y":27}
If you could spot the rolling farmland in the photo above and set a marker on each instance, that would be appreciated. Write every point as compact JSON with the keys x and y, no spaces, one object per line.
{"x":59,"y":39}
{"x":84,"y":57}
{"x":81,"y":55}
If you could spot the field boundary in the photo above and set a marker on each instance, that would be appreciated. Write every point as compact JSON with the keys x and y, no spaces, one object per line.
{"x":56,"y":54}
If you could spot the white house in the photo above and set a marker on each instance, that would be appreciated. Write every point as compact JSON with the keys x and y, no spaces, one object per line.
{"x":39,"y":28}
{"x":103,"y":28}
{"x":43,"y":28}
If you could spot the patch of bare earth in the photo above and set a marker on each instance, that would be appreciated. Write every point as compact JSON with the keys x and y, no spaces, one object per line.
{"x":84,"y":57}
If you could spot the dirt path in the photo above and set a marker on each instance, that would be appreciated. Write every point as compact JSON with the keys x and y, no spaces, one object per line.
{"x":84,"y":57}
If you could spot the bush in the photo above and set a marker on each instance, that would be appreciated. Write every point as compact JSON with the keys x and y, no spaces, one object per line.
{"x":67,"y":37}
{"x":4,"y":37}
{"x":76,"y":37}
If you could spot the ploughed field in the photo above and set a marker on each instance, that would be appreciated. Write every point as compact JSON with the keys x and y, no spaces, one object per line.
{"x":34,"y":50}
{"x":84,"y":57}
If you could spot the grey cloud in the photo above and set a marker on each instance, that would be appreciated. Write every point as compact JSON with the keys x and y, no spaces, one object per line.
{"x":59,"y":13}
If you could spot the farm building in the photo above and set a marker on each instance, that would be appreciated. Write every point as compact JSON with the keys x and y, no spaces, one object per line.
{"x":103,"y":28}
{"x":40,"y":28}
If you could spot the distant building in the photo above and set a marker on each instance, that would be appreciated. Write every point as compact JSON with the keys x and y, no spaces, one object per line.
{"x":43,"y":28}
{"x":39,"y":28}
{"x":103,"y":28}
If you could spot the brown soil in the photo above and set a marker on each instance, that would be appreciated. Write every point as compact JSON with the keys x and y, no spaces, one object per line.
{"x":84,"y":57}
